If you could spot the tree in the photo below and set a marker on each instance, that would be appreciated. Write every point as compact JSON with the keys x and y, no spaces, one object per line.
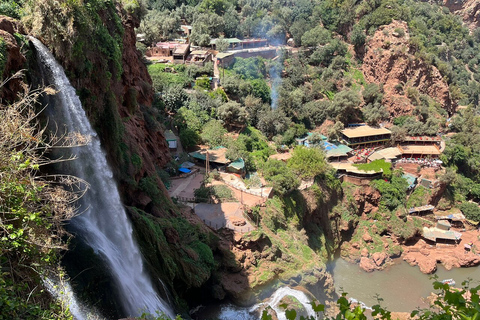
{"x":159,"y":26}
{"x":189,"y":138}
{"x":358,"y":36}
{"x":174,"y":97}
{"x":316,"y":36}
{"x":232,"y":113}
{"x":307,"y":162}
{"x":221,"y":44}
{"x":315,"y":140}
{"x":373,"y":113}
{"x":280,"y":176}
{"x":272,"y":122}
{"x":34,"y":209}
{"x":213,"y":134}
{"x":344,"y":105}
{"x":398,"y":134}
{"x":335,"y":131}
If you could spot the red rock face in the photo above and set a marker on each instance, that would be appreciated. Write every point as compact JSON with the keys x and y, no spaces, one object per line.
{"x":389,"y":61}
{"x":151,"y":144}
{"x":469,"y":10}
{"x":14,"y":60}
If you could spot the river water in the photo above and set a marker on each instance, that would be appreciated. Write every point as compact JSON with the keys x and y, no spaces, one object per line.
{"x":401,"y":286}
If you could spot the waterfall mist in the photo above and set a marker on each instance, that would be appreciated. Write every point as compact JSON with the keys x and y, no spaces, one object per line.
{"x":103,"y":223}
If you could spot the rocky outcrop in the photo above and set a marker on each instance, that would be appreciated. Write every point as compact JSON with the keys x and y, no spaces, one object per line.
{"x":13,"y":59}
{"x":389,"y":61}
{"x":469,"y":10}
{"x":103,"y":64}
{"x":367,"y":199}
{"x":426,"y":256}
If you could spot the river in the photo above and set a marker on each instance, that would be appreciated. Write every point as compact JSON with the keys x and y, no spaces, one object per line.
{"x":401,"y":286}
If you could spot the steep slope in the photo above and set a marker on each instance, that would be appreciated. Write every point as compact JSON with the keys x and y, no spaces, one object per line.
{"x":468,"y":10}
{"x":390,"y":60}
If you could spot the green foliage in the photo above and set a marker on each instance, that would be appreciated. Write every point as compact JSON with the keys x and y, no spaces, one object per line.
{"x":11,"y":8}
{"x":307,"y":162}
{"x":3,"y":56}
{"x":280,"y":176}
{"x":212,"y":193}
{"x":162,"y":80}
{"x":471,"y":210}
{"x":316,"y":36}
{"x":377,"y":166}
{"x":393,"y":193}
{"x":232,"y":113}
{"x":213,"y":133}
{"x":203,"y":83}
{"x":189,"y":138}
{"x":419,"y":197}
{"x":250,"y":68}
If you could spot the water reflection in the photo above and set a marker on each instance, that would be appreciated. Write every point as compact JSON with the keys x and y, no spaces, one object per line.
{"x":402,"y":287}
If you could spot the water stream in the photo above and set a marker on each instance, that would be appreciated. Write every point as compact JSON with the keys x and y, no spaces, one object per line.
{"x":401,"y":286}
{"x":103,"y":224}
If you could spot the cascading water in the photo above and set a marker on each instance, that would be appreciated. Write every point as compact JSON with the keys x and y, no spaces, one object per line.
{"x":103,"y":223}
{"x":282,"y":292}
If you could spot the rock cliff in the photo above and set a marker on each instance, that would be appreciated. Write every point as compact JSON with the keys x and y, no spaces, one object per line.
{"x":12,"y":59}
{"x":389,"y":60}
{"x":96,"y":46}
{"x":468,"y":10}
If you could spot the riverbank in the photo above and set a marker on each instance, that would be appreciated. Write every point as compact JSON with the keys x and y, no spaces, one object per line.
{"x":426,"y":256}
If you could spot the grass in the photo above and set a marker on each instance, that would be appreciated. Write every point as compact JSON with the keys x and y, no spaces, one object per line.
{"x":419,"y":197}
{"x":377,"y":166}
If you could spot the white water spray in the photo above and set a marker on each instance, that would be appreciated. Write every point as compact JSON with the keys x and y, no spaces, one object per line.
{"x":103,"y":224}
{"x":278,"y":295}
{"x":62,"y":291}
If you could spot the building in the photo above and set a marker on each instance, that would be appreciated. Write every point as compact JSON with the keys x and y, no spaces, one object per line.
{"x":199,"y":57}
{"x":350,"y":173}
{"x":419,"y":151}
{"x":162,"y":49}
{"x":421,"y":210}
{"x":336,"y":151}
{"x":265,"y":52}
{"x":333,"y":151}
{"x":171,"y":139}
{"x":216,"y":157}
{"x":235,"y":43}
{"x":237,"y":167}
{"x":364,"y":136}
{"x":232,"y":43}
{"x":225,"y":59}
{"x":422,"y":140}
{"x":185,"y":30}
{"x":181,"y":53}
{"x":411,"y":179}
{"x":388,"y":154}
{"x":440,"y":235}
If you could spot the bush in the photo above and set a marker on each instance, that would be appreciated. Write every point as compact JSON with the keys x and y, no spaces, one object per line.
{"x":471,"y":210}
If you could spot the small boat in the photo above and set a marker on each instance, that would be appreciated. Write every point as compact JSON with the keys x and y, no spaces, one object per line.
{"x":450,"y":282}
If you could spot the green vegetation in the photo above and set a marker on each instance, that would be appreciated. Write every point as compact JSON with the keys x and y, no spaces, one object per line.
{"x":33,"y":209}
{"x":307,"y":162}
{"x":471,"y":211}
{"x":377,"y":166}
{"x":213,"y":193}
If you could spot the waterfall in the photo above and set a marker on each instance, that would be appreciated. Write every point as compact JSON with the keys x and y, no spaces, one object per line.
{"x":103,"y":223}
{"x":62,"y":291}
{"x":282,"y":292}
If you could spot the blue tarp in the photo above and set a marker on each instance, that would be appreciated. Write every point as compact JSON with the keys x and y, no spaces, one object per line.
{"x":184,"y":170}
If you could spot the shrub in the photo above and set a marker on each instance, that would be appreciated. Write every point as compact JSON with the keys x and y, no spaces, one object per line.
{"x":471,"y":210}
